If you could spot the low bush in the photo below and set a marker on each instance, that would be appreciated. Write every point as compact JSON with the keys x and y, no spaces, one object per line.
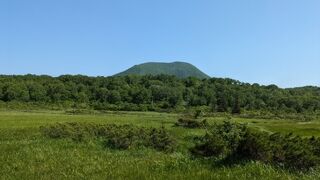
{"x":161,"y":140}
{"x":294,"y":151}
{"x":80,"y":111}
{"x":114,"y":136}
{"x":191,"y":123}
{"x":255,"y":145}
{"x":75,"y":131}
{"x":236,"y":141}
{"x":220,"y":139}
{"x":132,"y":137}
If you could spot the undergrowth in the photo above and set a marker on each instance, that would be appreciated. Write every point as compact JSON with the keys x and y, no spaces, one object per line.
{"x":114,"y":136}
{"x":235,"y":142}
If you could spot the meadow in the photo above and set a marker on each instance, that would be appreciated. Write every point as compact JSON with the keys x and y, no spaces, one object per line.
{"x":25,"y":153}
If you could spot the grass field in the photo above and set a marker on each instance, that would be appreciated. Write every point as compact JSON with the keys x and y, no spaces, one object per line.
{"x":26,"y":154}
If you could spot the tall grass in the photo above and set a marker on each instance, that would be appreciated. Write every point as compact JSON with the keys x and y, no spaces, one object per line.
{"x":26,"y":154}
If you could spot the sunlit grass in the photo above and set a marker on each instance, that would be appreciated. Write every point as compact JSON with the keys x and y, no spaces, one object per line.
{"x":26,"y":154}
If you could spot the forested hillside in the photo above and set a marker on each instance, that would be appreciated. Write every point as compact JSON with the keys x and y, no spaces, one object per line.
{"x":179,"y":69}
{"x":158,"y":93}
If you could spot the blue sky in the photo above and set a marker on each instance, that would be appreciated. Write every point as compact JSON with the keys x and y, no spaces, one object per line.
{"x":265,"y":41}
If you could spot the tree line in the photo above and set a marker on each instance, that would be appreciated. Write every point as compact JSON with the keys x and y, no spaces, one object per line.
{"x":157,"y":93}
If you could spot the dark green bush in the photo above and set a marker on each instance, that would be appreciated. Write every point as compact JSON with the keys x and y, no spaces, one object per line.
{"x":161,"y":140}
{"x":191,"y":123}
{"x":124,"y":137}
{"x":121,"y":142}
{"x":115,"y":136}
{"x":294,"y":151}
{"x":71,"y":130}
{"x":220,"y":139}
{"x":255,"y":145}
{"x":210,"y":145}
{"x":236,"y":141}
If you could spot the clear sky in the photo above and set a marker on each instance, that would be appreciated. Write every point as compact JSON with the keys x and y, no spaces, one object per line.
{"x":263,"y":41}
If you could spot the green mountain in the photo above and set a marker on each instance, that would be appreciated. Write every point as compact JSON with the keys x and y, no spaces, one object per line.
{"x":179,"y":69}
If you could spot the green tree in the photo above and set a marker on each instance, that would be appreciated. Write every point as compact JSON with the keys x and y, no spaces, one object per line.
{"x":102,"y":94}
{"x":114,"y":97}
{"x":17,"y":91}
{"x":57,"y":92}
{"x":140,"y":95}
{"x":236,"y":106}
{"x":82,"y":97}
{"x":174,"y":97}
{"x":36,"y":91}
{"x":1,"y":92}
{"x":222,"y":103}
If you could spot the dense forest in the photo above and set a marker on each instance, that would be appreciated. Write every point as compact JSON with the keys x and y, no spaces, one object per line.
{"x":158,"y":93}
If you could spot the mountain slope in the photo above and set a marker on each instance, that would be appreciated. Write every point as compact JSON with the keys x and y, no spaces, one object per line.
{"x":179,"y":69}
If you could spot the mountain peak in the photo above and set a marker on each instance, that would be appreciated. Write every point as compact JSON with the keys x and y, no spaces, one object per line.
{"x":177,"y":68}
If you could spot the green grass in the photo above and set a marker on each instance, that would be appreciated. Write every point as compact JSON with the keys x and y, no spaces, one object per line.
{"x":26,"y":154}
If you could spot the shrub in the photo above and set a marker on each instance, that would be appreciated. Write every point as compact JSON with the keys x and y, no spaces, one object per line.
{"x":294,"y":151}
{"x":124,"y":137}
{"x":79,"y":111}
{"x":255,"y":145}
{"x":220,"y":139}
{"x":161,"y":140}
{"x":115,"y":136}
{"x":210,"y":145}
{"x":191,"y":123}
{"x":121,"y":142}
{"x":236,"y":141}
{"x":73,"y":130}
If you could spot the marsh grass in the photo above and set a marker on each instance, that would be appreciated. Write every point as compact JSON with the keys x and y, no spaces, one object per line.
{"x":27,"y":154}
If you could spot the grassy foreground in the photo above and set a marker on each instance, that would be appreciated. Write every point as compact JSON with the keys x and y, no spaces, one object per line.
{"x":26,"y":154}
